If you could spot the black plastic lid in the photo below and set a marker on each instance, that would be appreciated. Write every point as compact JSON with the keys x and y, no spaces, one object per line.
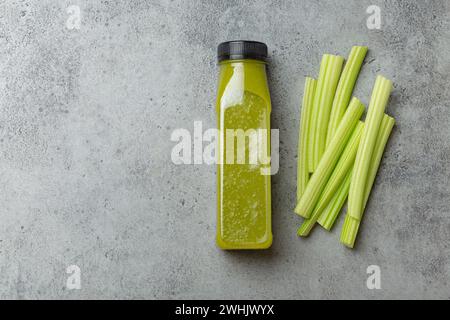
{"x":242,"y":49}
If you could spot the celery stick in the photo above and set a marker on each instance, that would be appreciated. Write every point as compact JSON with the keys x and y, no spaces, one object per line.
{"x":385,"y":131}
{"x":345,"y":88}
{"x":340,"y":172}
{"x":351,"y":224}
{"x":329,"y":215}
{"x":315,"y":110}
{"x":349,"y":231}
{"x":378,"y":101}
{"x":325,"y":101}
{"x":302,"y":154}
{"x":307,"y":225}
{"x":320,"y":177}
{"x":344,"y":165}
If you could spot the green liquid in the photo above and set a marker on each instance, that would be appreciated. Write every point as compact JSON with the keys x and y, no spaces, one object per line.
{"x":244,"y":204}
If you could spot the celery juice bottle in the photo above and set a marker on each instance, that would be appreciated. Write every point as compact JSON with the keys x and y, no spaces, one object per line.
{"x":243,"y":112}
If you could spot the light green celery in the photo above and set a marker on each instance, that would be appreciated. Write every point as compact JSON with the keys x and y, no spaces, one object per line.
{"x":349,"y":231}
{"x":339,"y":174}
{"x":302,"y":154}
{"x":351,"y":224}
{"x":329,"y":215}
{"x":315,"y":110}
{"x":324,"y":103}
{"x":345,"y":163}
{"x":385,"y":131}
{"x":307,"y":224}
{"x":320,"y":177}
{"x":378,"y":101}
{"x":345,"y":88}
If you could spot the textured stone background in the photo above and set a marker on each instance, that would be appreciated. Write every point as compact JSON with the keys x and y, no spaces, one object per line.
{"x":85,"y":170}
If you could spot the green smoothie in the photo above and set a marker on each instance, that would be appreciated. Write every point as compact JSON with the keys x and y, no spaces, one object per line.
{"x":243,"y":109}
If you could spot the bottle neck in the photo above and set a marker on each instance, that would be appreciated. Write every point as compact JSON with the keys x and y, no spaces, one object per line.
{"x":243,"y":75}
{"x":249,"y":67}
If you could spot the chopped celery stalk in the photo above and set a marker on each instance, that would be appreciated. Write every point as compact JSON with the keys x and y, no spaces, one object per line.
{"x":345,"y":88}
{"x":328,"y":162}
{"x":329,"y":215}
{"x":315,"y":110}
{"x":344,"y":165}
{"x":302,"y":154}
{"x":378,"y":101}
{"x":308,"y":224}
{"x":385,"y":131}
{"x":351,"y":224}
{"x":340,"y":172}
{"x":324,"y":103}
{"x":349,"y":231}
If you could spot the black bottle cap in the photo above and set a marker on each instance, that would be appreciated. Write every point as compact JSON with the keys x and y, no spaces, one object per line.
{"x":242,"y":49}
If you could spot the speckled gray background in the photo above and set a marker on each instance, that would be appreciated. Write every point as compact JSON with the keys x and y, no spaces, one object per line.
{"x":85,"y":170}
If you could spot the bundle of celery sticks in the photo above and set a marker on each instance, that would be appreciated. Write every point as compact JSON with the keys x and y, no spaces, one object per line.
{"x":338,"y":154}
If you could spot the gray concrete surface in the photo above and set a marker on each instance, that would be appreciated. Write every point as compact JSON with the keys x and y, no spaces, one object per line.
{"x":85,"y":172}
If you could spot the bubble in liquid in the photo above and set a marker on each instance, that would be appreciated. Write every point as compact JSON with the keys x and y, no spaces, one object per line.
{"x":245,"y":192}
